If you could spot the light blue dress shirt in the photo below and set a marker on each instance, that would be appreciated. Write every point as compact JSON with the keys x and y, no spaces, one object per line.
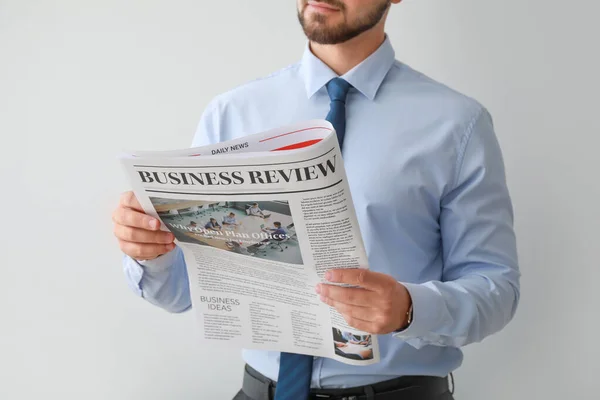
{"x":427,"y":177}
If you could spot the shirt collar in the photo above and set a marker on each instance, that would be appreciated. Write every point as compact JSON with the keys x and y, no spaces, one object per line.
{"x":366,"y":77}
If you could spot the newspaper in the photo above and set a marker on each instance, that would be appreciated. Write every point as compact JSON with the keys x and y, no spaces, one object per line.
{"x":260,"y":219}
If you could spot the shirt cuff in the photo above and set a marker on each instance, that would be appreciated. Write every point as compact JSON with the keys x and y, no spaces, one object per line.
{"x":160,"y":263}
{"x":428,"y":315}
{"x":134,"y":270}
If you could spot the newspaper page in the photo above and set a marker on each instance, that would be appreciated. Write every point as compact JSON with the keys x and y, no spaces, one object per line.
{"x":260,"y":219}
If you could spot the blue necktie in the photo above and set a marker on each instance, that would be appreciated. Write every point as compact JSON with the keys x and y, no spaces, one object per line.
{"x":338,"y":90}
{"x":295,"y":370}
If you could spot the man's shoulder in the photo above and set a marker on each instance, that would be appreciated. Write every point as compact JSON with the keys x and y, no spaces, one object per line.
{"x":250,"y":89}
{"x":441,"y":101}
{"x":229,"y":113}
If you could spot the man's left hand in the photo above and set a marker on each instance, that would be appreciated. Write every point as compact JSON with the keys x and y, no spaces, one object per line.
{"x":378,"y":306}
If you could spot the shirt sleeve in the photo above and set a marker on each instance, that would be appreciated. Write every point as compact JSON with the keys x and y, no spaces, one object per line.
{"x":479,"y":291}
{"x":164,"y":281}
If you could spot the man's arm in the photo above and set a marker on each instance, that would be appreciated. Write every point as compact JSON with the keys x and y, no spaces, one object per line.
{"x":163,"y":280}
{"x":152,"y":263}
{"x":479,"y":290}
{"x":480,"y":287}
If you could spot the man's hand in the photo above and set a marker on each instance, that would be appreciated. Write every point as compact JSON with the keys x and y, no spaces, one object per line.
{"x":139,"y":234}
{"x":378,"y":306}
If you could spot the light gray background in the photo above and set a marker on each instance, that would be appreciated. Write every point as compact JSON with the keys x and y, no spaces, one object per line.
{"x":81,"y":80}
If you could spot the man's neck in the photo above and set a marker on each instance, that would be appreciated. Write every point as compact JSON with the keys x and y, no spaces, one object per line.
{"x":342,"y":57}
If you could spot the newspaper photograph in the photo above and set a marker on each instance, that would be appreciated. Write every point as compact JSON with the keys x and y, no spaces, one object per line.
{"x":243,"y":227}
{"x":260,"y":220}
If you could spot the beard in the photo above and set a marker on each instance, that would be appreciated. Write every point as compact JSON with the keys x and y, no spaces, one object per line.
{"x":316,"y":29}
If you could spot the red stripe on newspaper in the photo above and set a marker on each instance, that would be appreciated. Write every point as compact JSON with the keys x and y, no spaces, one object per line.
{"x":301,"y":130}
{"x":298,"y":145}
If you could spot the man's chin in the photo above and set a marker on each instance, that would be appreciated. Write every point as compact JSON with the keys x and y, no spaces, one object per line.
{"x":321,"y":28}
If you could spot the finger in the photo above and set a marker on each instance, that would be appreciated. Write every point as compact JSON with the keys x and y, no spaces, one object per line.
{"x":358,"y":324}
{"x":135,"y":219}
{"x":144,"y":251}
{"x":364,"y":313}
{"x":346,"y":295}
{"x":129,"y":200}
{"x":138,"y":235}
{"x":362,"y":277}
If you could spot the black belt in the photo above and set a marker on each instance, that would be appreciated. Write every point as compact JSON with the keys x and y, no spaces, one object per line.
{"x":258,"y":387}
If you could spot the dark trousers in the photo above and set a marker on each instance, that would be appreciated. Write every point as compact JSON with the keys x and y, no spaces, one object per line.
{"x":446,"y":396}
{"x":405,"y":388}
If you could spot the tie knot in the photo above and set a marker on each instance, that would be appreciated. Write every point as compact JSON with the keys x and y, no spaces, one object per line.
{"x":338,"y":89}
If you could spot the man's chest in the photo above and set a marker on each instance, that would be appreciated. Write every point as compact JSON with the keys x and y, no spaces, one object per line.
{"x":398,"y":162}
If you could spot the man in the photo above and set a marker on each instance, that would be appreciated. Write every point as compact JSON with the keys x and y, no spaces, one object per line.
{"x":230,"y":220}
{"x":428,"y":182}
{"x":277,"y":233}
{"x":192,"y":226}
{"x":255,"y":210}
{"x":212,"y":225}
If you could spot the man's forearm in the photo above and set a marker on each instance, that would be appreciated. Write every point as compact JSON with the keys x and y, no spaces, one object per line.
{"x":162,"y":281}
{"x":466,"y":310}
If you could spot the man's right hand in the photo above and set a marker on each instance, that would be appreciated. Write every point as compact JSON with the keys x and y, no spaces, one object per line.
{"x":139,"y":234}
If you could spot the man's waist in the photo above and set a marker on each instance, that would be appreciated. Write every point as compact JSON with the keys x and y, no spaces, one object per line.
{"x":259,"y":387}
{"x":400,"y":360}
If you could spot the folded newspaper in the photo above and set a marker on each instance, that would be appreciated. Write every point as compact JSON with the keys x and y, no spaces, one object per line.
{"x":260,"y":219}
